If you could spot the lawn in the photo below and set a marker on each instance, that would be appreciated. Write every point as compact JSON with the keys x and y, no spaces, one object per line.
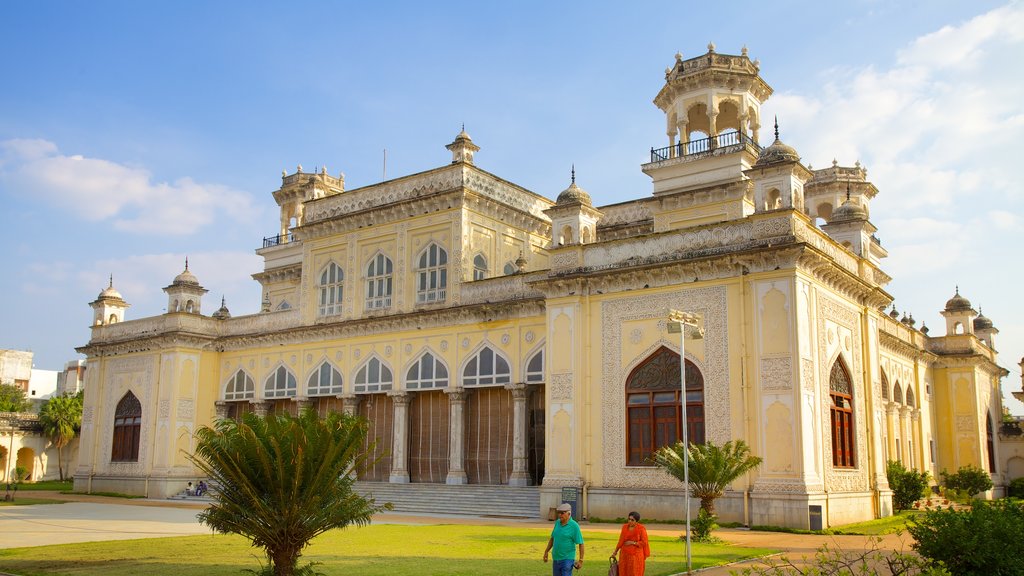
{"x":378,"y":550}
{"x":888,"y":525}
{"x":54,"y":485}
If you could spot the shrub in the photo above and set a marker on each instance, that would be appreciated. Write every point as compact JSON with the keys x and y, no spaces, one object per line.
{"x":907,"y":485}
{"x":703,"y":525}
{"x":837,"y":562}
{"x":982,"y":540}
{"x":969,"y":479}
{"x":1016,"y":489}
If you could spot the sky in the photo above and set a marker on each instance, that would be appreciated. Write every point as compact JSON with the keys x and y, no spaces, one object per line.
{"x":136,"y":134}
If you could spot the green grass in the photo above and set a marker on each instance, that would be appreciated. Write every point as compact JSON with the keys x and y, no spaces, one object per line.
{"x":378,"y":550}
{"x":890,"y":525}
{"x":55,"y":485}
{"x":28,"y":501}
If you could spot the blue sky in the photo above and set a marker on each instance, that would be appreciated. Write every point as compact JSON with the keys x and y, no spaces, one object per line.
{"x":133,"y":134}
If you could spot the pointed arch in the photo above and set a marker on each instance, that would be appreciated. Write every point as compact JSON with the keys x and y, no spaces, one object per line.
{"x":653,"y":399}
{"x":910,"y":396}
{"x":280,"y":383}
{"x":897,"y":393}
{"x":841,"y":411}
{"x":487,"y":367}
{"x":427,"y":371}
{"x":241,"y":386}
{"x":534,"y":369}
{"x":373,"y":376}
{"x":127,"y":429}
{"x":885,"y":386}
{"x":330,"y":283}
{"x":324,"y":381}
{"x":379,"y":281}
{"x":431,"y":274}
{"x":990,"y":443}
{"x":479,"y":267}
{"x":510,"y":268}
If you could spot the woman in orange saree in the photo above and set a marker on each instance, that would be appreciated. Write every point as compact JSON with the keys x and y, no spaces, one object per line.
{"x":634,"y":546}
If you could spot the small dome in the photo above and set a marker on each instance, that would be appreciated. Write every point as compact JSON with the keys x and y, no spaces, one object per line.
{"x":109,"y":293}
{"x":982,"y":322}
{"x":186,"y":277}
{"x":850,"y":211}
{"x":463,"y":136}
{"x":222,"y":313}
{"x":777,"y":152}
{"x":574,"y":194}
{"x":957,"y":302}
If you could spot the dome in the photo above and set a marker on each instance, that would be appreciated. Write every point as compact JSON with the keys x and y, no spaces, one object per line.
{"x":186,"y":277}
{"x":957,"y":302}
{"x":982,"y":322}
{"x":574,"y":194}
{"x":777,"y":152}
{"x":850,"y":211}
{"x":110,"y":293}
{"x":222,"y":313}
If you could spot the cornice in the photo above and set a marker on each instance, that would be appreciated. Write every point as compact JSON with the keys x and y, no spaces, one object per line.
{"x":292,"y":272}
{"x":903,"y":348}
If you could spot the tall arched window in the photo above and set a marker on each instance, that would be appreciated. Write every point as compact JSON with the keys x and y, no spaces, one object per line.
{"x":990,"y":443}
{"x":240,"y":387}
{"x":897,"y":393}
{"x":487,"y":368}
{"x":331,"y":280}
{"x":654,"y":406}
{"x":324,"y":381}
{"x":127,"y":429}
{"x":885,"y":387}
{"x":280,"y":384}
{"x":379,"y":282}
{"x":535,"y":367}
{"x":431,"y":275}
{"x":479,"y":267}
{"x":427,"y":372}
{"x":374,"y":376}
{"x":910,"y":396}
{"x":843,"y":439}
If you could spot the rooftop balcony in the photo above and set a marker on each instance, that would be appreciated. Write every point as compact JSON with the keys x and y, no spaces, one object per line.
{"x":725,"y":143}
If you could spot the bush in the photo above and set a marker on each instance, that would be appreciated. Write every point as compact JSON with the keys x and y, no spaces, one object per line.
{"x":982,"y":540}
{"x":968,"y":479}
{"x":703,"y":525}
{"x":1016,"y":488}
{"x":907,"y":485}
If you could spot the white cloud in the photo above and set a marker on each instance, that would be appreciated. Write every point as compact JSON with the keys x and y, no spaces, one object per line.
{"x":97,"y":189}
{"x":1003,"y":219}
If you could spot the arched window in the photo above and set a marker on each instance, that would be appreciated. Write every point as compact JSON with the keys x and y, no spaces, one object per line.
{"x":535,"y":367}
{"x":479,"y":267}
{"x":240,"y":387}
{"x":843,"y":439}
{"x":113,"y":319}
{"x":331,"y":280}
{"x":127,"y":429}
{"x":427,"y":372}
{"x":280,"y":384}
{"x":374,"y":376}
{"x":885,"y":387}
{"x":897,"y":393}
{"x":510,"y":268}
{"x":487,"y":368}
{"x":190,"y":306}
{"x":324,"y":381}
{"x":284,"y":305}
{"x":910,"y":396}
{"x":654,"y":408}
{"x":432,"y":274}
{"x":379,"y":282}
{"x":990,"y":444}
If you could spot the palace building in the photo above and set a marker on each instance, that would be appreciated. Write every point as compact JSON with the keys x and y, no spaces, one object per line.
{"x":493,"y":336}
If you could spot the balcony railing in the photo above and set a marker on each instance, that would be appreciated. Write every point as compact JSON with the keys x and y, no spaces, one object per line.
{"x":278,"y":240}
{"x":704,"y":146}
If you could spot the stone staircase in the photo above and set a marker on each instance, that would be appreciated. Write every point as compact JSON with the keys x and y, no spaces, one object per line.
{"x":466,"y":500}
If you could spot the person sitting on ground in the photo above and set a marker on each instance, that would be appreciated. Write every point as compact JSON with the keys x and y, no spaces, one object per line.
{"x":188,"y":490}
{"x":201,"y":488}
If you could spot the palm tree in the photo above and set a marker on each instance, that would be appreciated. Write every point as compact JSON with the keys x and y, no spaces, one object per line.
{"x":712,"y":468}
{"x":61,"y":418}
{"x":281,"y":480}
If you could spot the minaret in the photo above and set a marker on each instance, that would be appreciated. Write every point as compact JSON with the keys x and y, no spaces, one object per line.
{"x":850,"y":227}
{"x":185,"y":294}
{"x":984,"y":330}
{"x":463,"y":148}
{"x":109,"y":306}
{"x":778,"y":177}
{"x":959,"y":315}
{"x":573,"y":217}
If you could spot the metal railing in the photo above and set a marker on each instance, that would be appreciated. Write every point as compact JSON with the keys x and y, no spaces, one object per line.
{"x":703,"y":146}
{"x":278,"y":240}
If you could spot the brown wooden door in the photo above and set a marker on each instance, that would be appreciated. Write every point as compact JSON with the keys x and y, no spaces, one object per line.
{"x":535,"y":434}
{"x":378,"y":411}
{"x":429,"y":430}
{"x":489,"y":413}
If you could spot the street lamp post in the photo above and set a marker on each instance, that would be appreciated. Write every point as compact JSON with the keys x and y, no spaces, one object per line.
{"x":677,"y":322}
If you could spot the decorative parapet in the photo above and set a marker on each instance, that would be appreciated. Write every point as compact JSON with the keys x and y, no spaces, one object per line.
{"x":630,"y":213}
{"x":194,"y":324}
{"x":20,"y":421}
{"x":500,"y":289}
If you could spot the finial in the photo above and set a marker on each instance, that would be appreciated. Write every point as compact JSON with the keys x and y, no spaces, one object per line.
{"x":573,"y":172}
{"x":847,"y":190}
{"x":835,"y":162}
{"x":298,"y":168}
{"x":711,"y":46}
{"x":223,"y":303}
{"x":776,"y":126}
{"x":463,"y":126}
{"x":186,"y":263}
{"x":957,"y":289}
{"x":679,"y":56}
{"x":111,"y":281}
{"x":743,"y":51}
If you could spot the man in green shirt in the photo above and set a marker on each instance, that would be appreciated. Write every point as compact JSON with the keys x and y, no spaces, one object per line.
{"x":565,"y":536}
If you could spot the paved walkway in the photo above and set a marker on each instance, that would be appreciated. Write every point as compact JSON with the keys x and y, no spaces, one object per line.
{"x":87,"y":518}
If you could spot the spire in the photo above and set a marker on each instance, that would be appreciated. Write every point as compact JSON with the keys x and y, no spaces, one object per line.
{"x":186,"y":263}
{"x":776,"y":126}
{"x":573,"y":173}
{"x":111,"y":281}
{"x":847,"y":190}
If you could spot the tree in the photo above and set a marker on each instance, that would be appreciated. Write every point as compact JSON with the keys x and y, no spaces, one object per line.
{"x":712,"y":467}
{"x":969,"y":480}
{"x":984,"y":539}
{"x":907,"y":485}
{"x":12,"y":399}
{"x":281,"y":480}
{"x":61,"y":418}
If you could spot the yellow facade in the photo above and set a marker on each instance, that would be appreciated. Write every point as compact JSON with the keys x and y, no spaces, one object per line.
{"x":494,"y":336}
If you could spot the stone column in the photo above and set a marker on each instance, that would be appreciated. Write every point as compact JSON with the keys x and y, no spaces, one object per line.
{"x":520,"y":474}
{"x":683,"y":137}
{"x":712,"y":130}
{"x":456,"y":436}
{"x":302,"y":403}
{"x":349,"y":403}
{"x":399,"y":438}
{"x":221,"y":408}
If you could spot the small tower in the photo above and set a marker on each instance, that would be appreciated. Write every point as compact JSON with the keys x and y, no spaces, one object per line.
{"x":222,"y":313}
{"x":850,"y":227}
{"x":185,"y":294}
{"x":296,"y":189}
{"x":778,"y":177}
{"x":573,"y":217}
{"x":109,"y":306}
{"x":984,"y":329}
{"x":463,"y":148}
{"x":959,"y":315}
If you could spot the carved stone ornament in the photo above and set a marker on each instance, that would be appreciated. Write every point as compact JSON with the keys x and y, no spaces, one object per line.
{"x":776,"y":374}
{"x":561,"y":386}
